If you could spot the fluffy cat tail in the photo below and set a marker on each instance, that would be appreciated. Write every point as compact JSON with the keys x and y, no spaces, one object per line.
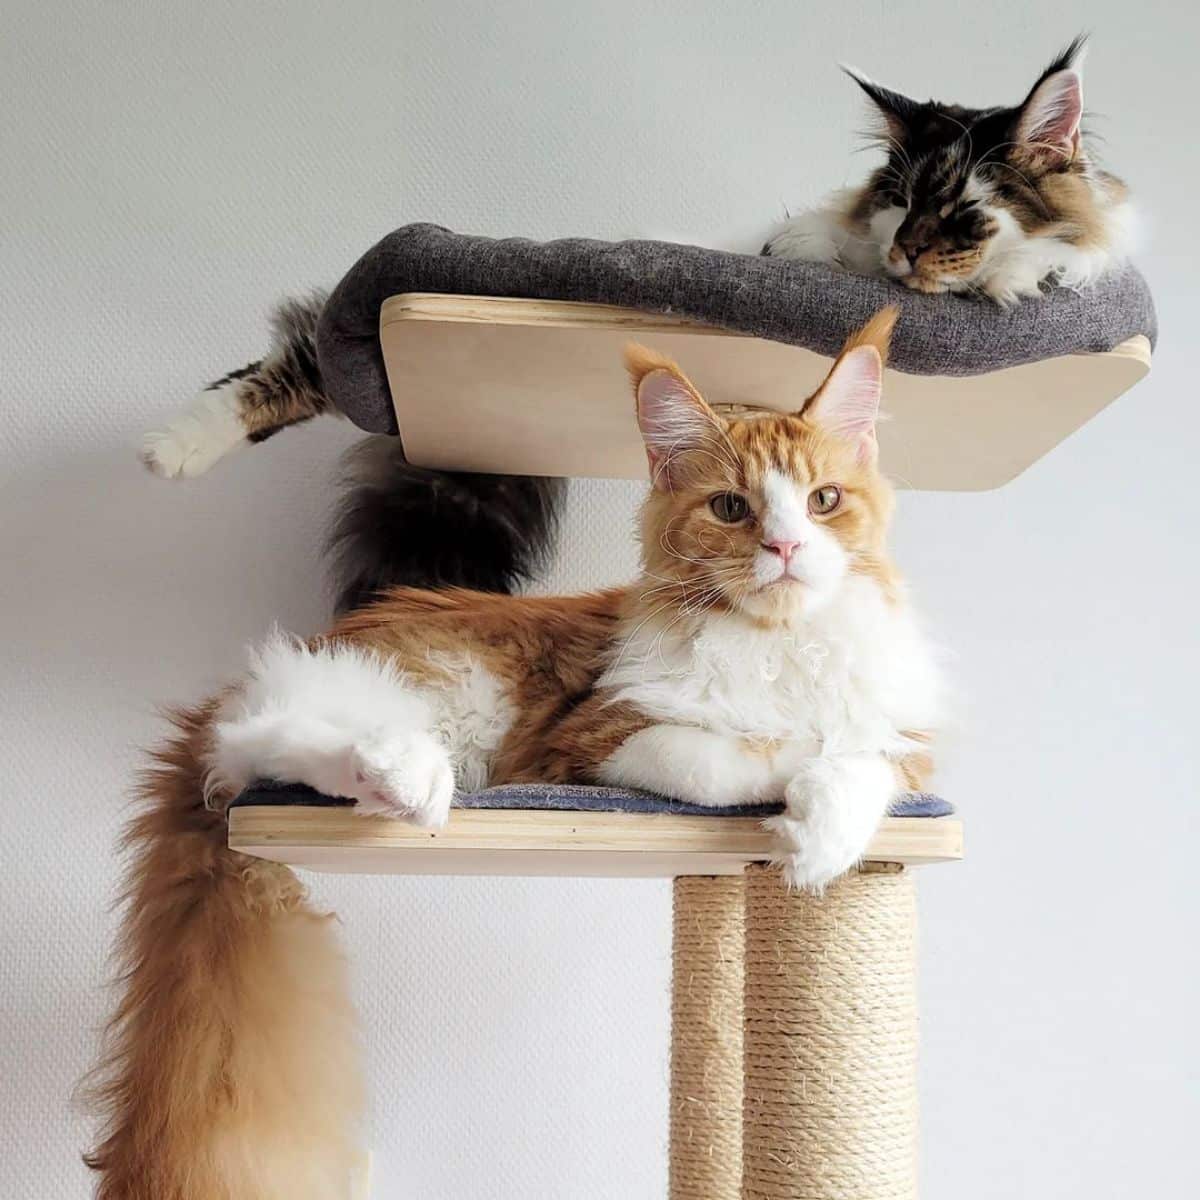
{"x":402,"y":525}
{"x":231,"y":1065}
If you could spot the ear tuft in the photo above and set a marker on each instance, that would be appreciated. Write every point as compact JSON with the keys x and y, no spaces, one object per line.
{"x":876,"y":332}
{"x":1049,"y":119}
{"x":896,"y":110}
{"x":671,"y":414}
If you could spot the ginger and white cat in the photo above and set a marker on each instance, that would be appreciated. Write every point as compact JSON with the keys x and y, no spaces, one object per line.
{"x":992,"y":201}
{"x":766,"y":653}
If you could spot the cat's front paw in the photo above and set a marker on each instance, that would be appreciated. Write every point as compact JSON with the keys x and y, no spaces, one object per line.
{"x":406,"y":775}
{"x":804,"y":240}
{"x":930,"y":287}
{"x":1007,"y":292}
{"x":832,"y":807}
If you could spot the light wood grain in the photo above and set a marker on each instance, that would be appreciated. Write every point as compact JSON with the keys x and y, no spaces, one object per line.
{"x":530,"y":842}
{"x":537,"y":387}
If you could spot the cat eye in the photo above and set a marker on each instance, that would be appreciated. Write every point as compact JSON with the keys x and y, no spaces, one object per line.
{"x":729,"y":507}
{"x":824,"y":499}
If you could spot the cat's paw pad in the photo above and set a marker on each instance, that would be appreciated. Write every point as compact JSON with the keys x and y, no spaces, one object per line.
{"x":408,"y":776}
{"x":813,"y":844}
{"x":191,"y":445}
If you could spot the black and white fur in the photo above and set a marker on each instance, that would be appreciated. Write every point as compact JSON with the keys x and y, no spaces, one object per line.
{"x":402,"y":525}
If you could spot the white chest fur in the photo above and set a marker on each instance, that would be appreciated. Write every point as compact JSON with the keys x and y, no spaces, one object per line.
{"x":851,"y":677}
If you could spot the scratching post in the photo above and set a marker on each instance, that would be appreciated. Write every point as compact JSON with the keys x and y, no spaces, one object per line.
{"x":706,"y":1038}
{"x":831,"y":1038}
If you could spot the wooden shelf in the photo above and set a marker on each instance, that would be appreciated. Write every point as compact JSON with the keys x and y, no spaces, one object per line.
{"x":537,"y":387}
{"x":536,"y":842}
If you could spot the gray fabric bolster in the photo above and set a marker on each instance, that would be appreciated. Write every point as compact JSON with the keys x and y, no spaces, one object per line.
{"x":804,"y":304}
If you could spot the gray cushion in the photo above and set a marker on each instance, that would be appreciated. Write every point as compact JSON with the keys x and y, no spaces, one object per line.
{"x":806,"y":304}
{"x":572,"y":797}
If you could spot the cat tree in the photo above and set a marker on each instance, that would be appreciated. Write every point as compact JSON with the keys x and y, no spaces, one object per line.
{"x":794,"y":1018}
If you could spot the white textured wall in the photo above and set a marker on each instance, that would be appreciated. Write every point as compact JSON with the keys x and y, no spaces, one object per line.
{"x":168,"y":169}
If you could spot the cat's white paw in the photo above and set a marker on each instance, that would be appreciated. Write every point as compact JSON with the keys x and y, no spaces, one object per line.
{"x":1008,"y":288}
{"x":804,"y":242}
{"x":209,"y":430}
{"x":812,"y":851}
{"x":832,"y":808}
{"x":920,"y":283}
{"x":165,"y":454}
{"x":405,"y":775}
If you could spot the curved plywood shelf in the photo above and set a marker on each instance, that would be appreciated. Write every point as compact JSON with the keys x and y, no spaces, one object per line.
{"x":537,"y":387}
{"x":547,"y":842}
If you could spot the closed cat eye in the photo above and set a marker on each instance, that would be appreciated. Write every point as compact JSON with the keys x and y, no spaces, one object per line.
{"x":825,"y":499}
{"x":729,"y":507}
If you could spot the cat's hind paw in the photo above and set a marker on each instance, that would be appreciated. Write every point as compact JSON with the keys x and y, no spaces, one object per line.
{"x":190,"y":445}
{"x":407,"y":775}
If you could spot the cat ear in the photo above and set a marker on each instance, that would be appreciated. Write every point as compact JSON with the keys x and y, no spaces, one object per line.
{"x":671,"y":414}
{"x":1048,"y":122}
{"x":898,"y":112}
{"x":846,"y":405}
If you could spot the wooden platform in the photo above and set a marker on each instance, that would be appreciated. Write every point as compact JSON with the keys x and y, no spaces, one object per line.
{"x":529,"y":842}
{"x":537,"y":387}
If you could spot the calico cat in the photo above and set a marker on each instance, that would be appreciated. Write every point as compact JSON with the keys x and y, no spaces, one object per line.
{"x":493,"y":532}
{"x":991,"y":201}
{"x":766,"y":653}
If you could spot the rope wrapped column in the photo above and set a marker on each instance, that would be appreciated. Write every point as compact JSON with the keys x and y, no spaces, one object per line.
{"x":830,"y":1103}
{"x":706,"y":1038}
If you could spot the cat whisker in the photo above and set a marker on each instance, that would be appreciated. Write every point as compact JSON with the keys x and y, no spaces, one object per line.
{"x":898,"y":148}
{"x":719,"y":451}
{"x":990,"y":161}
{"x":966,"y":132}
{"x":899,"y":178}
{"x":656,"y":647}
{"x":628,"y":639}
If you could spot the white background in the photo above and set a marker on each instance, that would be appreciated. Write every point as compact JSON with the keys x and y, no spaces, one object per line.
{"x":167,"y":170}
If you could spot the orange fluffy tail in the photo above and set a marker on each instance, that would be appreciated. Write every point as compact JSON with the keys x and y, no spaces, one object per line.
{"x":231,"y":1068}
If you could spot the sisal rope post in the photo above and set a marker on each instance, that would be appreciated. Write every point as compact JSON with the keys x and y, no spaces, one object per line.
{"x":706,"y":1038}
{"x":831,"y":1038}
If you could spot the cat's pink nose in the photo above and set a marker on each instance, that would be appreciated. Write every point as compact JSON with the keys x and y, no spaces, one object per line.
{"x":785,"y":550}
